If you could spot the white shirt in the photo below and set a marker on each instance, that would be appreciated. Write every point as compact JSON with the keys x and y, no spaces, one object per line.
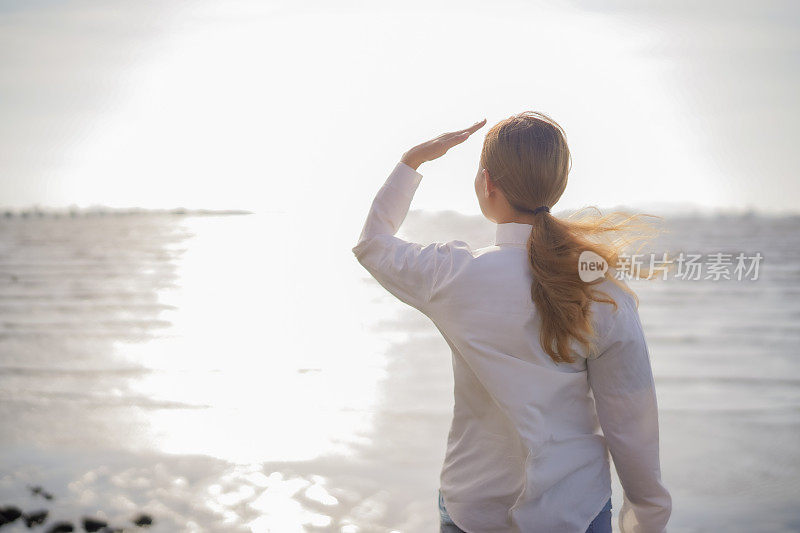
{"x":525,"y":452}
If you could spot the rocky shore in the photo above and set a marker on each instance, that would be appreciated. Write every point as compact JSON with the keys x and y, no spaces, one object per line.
{"x":10,"y":514}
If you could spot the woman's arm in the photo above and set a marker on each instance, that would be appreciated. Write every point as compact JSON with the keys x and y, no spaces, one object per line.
{"x":622,"y":383}
{"x":408,"y":270}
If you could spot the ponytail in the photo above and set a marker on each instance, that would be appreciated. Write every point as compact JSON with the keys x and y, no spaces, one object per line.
{"x":562,"y":298}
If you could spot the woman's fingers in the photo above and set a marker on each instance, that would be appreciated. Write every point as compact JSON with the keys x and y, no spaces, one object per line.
{"x":437,"y":147}
{"x":466,"y":131}
{"x":457,"y":137}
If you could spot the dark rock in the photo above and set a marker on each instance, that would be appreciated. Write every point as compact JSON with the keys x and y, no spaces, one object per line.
{"x":35,"y":518}
{"x":9,"y":514}
{"x":61,"y":527}
{"x":111,"y":530}
{"x":40,"y":491}
{"x":93,"y":524}
{"x":143,"y":520}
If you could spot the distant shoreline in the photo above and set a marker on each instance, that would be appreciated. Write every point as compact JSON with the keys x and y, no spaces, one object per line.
{"x":74,"y":212}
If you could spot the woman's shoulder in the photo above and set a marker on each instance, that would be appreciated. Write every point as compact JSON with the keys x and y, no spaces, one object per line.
{"x":623,"y":310}
{"x":617,"y":289}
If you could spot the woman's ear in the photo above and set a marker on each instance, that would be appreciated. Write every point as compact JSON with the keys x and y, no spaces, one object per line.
{"x":488,"y":186}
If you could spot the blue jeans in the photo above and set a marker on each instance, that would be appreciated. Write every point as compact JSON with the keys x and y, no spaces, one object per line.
{"x":600,"y":524}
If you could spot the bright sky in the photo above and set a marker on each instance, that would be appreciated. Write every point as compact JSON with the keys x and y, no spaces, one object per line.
{"x":306,"y":106}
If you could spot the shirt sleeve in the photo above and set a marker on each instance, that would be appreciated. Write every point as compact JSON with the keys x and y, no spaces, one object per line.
{"x":408,"y":270}
{"x":622,"y":383}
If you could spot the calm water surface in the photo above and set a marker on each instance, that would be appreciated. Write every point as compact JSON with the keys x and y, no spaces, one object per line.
{"x":222,"y":374}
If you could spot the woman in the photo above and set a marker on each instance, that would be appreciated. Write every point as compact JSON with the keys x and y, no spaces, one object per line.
{"x":542,"y":360}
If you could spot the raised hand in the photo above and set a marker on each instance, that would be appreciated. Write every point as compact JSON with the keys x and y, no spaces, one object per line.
{"x":437,"y":147}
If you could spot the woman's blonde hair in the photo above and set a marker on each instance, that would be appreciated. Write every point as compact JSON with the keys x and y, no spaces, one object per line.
{"x":528,"y":159}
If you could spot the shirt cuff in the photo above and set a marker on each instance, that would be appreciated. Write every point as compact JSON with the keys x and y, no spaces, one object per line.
{"x":404,"y":178}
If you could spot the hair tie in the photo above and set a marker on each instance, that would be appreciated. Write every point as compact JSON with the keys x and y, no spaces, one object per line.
{"x":541,"y":208}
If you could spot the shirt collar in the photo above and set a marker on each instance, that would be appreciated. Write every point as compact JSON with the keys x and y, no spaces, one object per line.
{"x":512,"y":233}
